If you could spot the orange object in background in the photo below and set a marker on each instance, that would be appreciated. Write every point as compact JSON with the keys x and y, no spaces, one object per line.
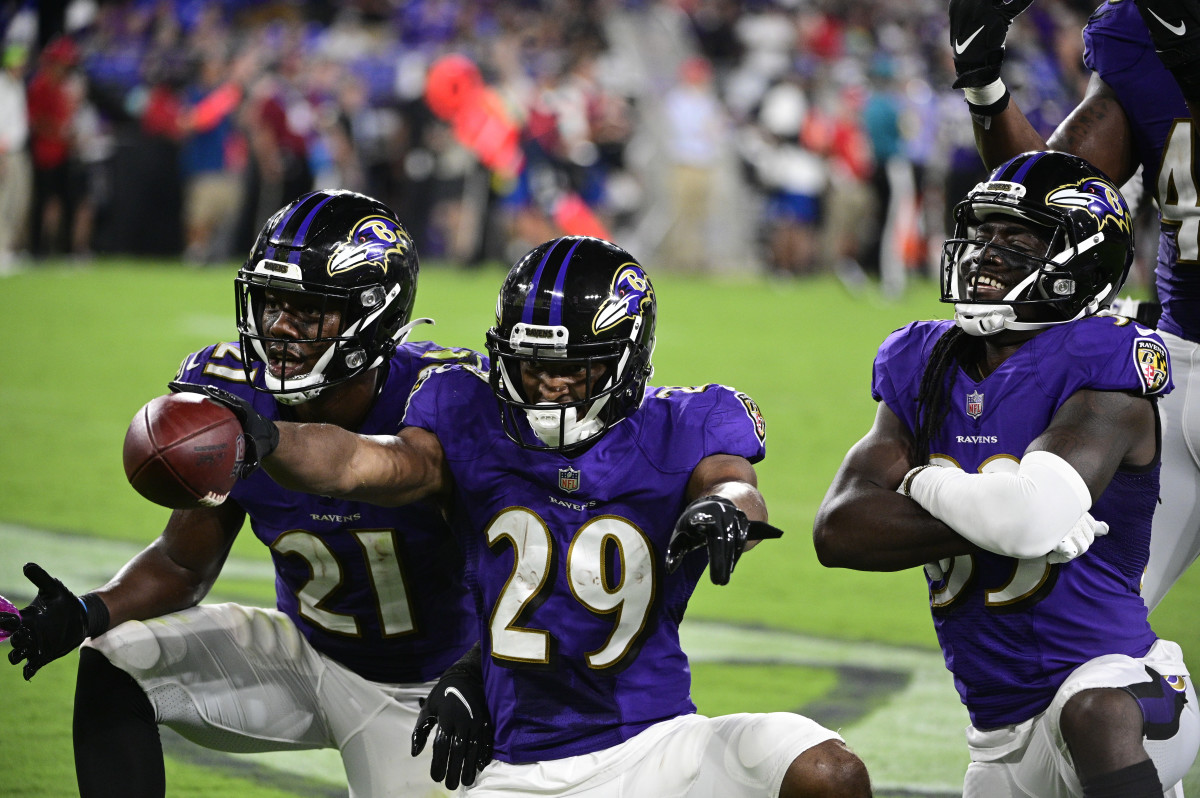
{"x":456,"y":93}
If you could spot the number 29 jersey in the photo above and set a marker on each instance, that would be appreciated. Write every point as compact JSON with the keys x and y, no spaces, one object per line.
{"x":1013,"y":630}
{"x":378,"y":589}
{"x":566,"y":558}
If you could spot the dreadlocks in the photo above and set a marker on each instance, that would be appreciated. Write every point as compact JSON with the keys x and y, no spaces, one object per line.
{"x":954,"y":347}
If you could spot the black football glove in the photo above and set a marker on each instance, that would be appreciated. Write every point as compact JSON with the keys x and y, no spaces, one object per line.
{"x":1175,"y":30}
{"x":261,"y":434}
{"x":456,"y":705}
{"x":712,"y":521}
{"x":54,"y":624}
{"x":978,"y":29}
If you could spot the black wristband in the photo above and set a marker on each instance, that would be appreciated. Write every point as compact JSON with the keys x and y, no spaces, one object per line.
{"x":95,"y":614}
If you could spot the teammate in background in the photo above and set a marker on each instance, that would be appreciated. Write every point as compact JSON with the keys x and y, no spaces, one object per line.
{"x":1137,"y":111}
{"x":589,"y":507}
{"x":1042,"y":412}
{"x":371,"y":602}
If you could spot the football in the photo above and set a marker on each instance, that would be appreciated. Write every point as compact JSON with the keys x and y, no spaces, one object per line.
{"x":183,"y":450}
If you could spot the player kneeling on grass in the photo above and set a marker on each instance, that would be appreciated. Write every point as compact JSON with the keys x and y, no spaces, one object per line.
{"x":1015,"y":453}
{"x":589,"y":507}
{"x":371,"y":602}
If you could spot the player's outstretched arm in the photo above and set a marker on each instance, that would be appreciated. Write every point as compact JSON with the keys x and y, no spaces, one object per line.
{"x":457,"y":706}
{"x":330,"y":461}
{"x":864,"y":524}
{"x":53,"y":624}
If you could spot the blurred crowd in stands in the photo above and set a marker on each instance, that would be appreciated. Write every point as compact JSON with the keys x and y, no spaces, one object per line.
{"x":793,"y":137}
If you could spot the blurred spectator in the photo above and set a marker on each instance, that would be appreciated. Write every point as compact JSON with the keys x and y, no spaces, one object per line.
{"x":851,"y":214}
{"x":278,"y":169}
{"x":51,"y":116}
{"x":16,"y":174}
{"x":211,"y":176}
{"x":793,"y":176}
{"x":697,"y":133}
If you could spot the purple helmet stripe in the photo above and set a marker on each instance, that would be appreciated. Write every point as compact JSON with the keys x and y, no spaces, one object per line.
{"x":556,"y":301}
{"x":1024,"y":168}
{"x":299,"y":238}
{"x":531,"y":300}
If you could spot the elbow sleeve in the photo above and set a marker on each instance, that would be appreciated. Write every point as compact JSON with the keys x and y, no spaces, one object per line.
{"x":1023,"y":514}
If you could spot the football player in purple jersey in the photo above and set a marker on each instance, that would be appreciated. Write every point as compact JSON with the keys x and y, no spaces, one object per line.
{"x":1137,"y":112}
{"x":371,"y":603}
{"x":589,"y":506}
{"x":1015,"y":454}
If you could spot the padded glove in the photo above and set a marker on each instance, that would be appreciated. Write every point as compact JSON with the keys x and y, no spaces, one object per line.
{"x":262,"y":436}
{"x":717,"y":523}
{"x":1174,"y":27}
{"x":978,"y":29}
{"x":54,"y":624}
{"x":456,"y":705}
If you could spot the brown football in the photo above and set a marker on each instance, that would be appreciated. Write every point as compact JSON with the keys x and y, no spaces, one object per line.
{"x":182,"y":451}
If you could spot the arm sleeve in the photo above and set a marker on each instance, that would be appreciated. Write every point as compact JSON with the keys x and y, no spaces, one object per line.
{"x":1023,"y":514}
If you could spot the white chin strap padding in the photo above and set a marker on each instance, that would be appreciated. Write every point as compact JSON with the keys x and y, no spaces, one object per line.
{"x":983,"y":320}
{"x":555,"y":419}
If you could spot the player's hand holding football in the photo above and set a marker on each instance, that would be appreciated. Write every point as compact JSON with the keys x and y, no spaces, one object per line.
{"x":717,"y":523}
{"x":54,"y":624}
{"x":978,"y":29}
{"x":456,"y":705}
{"x":1174,"y":27}
{"x":262,"y":436}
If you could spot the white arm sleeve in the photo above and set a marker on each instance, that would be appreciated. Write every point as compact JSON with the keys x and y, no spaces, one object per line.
{"x":1023,"y":515}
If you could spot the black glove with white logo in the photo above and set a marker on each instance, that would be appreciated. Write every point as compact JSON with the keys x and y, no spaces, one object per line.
{"x":1174,"y":27}
{"x":456,"y":705}
{"x":978,"y":29}
{"x":717,"y":523}
{"x":262,"y":436}
{"x":54,"y":624}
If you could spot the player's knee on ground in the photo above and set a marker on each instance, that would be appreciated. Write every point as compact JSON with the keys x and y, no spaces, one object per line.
{"x":828,"y":770}
{"x":1103,"y":730}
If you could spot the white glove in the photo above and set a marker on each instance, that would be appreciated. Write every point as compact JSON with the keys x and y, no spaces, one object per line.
{"x":1078,"y":540}
{"x":936,"y":571}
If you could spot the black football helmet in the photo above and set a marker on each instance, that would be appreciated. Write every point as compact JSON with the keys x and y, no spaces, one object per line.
{"x":573,"y":301}
{"x":349,"y":251}
{"x":1071,"y":205}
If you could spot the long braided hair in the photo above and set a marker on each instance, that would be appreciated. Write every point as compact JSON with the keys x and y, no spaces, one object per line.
{"x":933,"y":397}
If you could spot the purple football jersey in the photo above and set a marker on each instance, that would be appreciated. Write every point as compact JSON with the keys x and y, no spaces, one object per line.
{"x":379,"y":589}
{"x":580,"y":620}
{"x":1117,"y":47}
{"x":1013,"y":630}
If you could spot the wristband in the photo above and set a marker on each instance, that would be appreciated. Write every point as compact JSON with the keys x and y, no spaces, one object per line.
{"x":987,"y":101}
{"x":95,"y":614}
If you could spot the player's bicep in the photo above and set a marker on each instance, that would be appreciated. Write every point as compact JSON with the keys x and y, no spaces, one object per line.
{"x":1098,"y":131}
{"x":880,"y":459}
{"x":1097,"y":432}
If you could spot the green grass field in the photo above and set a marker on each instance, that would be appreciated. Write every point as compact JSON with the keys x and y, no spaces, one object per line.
{"x":87,"y":346}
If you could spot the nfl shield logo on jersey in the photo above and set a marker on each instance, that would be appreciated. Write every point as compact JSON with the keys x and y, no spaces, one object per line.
{"x":568,"y":479}
{"x":974,"y":404}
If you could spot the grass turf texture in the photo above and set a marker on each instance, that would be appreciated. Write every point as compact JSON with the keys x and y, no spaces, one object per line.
{"x":86,"y":347}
